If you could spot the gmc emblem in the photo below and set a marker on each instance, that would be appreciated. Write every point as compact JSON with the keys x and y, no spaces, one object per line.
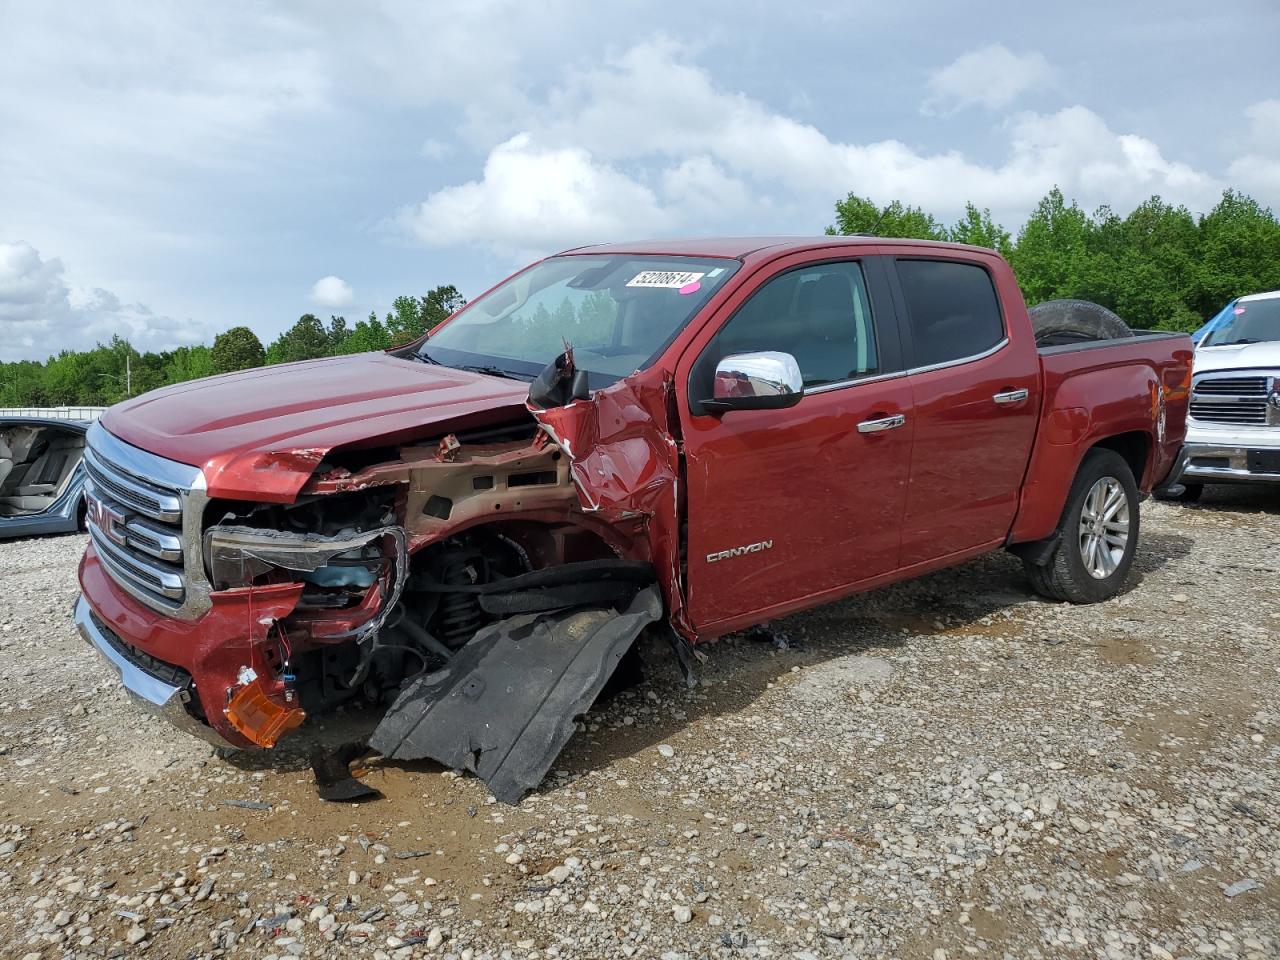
{"x":107,"y":519}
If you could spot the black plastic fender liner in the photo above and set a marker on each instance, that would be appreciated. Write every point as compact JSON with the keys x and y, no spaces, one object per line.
{"x":505,"y":705}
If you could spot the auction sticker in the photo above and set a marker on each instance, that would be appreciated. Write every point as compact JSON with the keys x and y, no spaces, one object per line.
{"x":664,"y":279}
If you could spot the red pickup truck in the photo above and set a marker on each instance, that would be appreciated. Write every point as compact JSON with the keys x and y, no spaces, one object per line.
{"x":690,"y":436}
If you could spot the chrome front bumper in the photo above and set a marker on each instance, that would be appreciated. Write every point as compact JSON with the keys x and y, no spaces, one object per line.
{"x":1213,"y":463}
{"x":151,"y":693}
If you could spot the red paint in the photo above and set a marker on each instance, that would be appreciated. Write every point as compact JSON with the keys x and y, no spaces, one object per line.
{"x":259,"y":434}
{"x":822,"y":509}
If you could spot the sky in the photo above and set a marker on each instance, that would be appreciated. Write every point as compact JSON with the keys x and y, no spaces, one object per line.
{"x":170,"y":170}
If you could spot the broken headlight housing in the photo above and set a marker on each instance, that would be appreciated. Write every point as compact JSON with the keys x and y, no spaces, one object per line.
{"x":238,"y":556}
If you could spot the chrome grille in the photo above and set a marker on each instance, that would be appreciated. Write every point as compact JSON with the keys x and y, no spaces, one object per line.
{"x":144,"y":522}
{"x":132,"y":493}
{"x":1231,"y":399}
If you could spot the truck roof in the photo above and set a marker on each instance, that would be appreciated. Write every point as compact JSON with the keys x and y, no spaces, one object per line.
{"x":739,"y":248}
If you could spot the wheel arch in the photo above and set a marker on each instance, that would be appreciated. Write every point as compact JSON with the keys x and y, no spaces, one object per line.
{"x":1134,"y":446}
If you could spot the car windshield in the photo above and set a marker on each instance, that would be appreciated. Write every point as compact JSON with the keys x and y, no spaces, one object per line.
{"x":617,"y":312}
{"x":1250,"y":321}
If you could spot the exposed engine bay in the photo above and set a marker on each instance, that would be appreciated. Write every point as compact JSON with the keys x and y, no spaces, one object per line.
{"x":473,"y":587}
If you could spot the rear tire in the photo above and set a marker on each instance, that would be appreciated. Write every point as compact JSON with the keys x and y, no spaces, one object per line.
{"x":1097,"y":535}
{"x":1056,"y":322}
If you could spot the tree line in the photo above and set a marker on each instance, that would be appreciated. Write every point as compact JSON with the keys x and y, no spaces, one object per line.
{"x":112,"y":371}
{"x":1159,"y":267}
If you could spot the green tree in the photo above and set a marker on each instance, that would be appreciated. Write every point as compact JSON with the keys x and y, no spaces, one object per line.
{"x":856,"y":214}
{"x":368,"y":335}
{"x":305,"y":340}
{"x":440,"y":304}
{"x":1238,"y":252}
{"x":237,"y":349}
{"x":1052,"y":253}
{"x":977,"y":228}
{"x":188,"y":363}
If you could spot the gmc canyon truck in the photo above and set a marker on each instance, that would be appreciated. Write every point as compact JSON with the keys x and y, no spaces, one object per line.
{"x":688,"y":436}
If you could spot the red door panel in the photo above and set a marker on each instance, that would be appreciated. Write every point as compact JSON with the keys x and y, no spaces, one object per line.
{"x":824,"y":500}
{"x":970,"y":452}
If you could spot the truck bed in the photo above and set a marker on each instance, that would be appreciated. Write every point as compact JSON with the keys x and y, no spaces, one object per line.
{"x":1132,"y":390}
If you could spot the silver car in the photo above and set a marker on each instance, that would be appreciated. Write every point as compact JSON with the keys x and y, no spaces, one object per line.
{"x":1233,"y":431}
{"x":41,"y":476}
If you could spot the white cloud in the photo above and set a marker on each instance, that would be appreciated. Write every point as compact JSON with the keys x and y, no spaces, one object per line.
{"x":40,"y":314}
{"x":992,"y":77}
{"x":332,"y":291}
{"x":1258,"y":169}
{"x":531,"y":198}
{"x":649,"y":143}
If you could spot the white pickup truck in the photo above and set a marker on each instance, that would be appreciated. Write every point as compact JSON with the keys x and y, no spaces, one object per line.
{"x":1233,"y":431}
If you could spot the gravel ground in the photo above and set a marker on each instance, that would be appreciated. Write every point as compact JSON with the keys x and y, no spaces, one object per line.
{"x":947,"y":768}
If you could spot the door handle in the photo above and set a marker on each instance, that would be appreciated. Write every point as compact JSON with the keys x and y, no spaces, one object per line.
{"x":883,"y":423}
{"x":1011,"y":396}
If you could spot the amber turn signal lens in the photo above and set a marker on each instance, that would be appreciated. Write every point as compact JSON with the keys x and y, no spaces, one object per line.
{"x":259,"y":718}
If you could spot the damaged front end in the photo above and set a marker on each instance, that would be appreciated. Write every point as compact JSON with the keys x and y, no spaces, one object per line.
{"x":480,"y":587}
{"x":334,"y":588}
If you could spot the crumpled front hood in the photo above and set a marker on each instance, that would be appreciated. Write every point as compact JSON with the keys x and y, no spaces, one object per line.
{"x":1244,"y":356}
{"x":259,"y":434}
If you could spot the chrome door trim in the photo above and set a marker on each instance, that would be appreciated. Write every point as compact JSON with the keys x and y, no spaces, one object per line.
{"x":855,"y":381}
{"x":1012,"y":396}
{"x":962,"y":360}
{"x":891,"y":422}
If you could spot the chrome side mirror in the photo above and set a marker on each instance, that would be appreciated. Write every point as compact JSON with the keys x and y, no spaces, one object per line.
{"x":768,"y":380}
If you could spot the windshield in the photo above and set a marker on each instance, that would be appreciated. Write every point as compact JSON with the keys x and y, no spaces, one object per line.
{"x":617,"y":312}
{"x":1250,"y":321}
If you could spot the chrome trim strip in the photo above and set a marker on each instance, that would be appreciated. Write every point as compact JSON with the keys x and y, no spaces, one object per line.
{"x":841,"y":384}
{"x":963,"y":360}
{"x":144,"y":466}
{"x":151,"y":693}
{"x":152,"y":690}
{"x":156,"y":503}
{"x":166,"y":593}
{"x":150,"y":539}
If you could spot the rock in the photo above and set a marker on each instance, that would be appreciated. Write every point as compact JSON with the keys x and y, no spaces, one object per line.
{"x":1079,"y":825}
{"x":682,"y":914}
{"x":1241,"y":886}
{"x":666,"y":749}
{"x":135,"y":935}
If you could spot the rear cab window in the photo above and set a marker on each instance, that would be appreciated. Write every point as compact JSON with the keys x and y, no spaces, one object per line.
{"x":953,"y":314}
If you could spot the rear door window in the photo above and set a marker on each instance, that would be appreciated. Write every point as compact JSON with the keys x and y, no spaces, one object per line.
{"x":953,"y":312}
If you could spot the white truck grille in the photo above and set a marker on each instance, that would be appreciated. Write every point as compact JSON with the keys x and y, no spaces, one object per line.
{"x":1231,"y":399}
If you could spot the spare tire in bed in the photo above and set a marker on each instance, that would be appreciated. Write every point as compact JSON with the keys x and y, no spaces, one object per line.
{"x":1056,"y":322}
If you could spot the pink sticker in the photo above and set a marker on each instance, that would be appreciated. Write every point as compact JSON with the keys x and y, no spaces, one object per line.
{"x":689,"y":288}
{"x":1237,"y":311}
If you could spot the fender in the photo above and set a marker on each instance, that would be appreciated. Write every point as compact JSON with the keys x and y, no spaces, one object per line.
{"x":1086,"y":409}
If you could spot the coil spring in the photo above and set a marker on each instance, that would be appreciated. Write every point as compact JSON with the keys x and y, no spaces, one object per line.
{"x":460,"y":615}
